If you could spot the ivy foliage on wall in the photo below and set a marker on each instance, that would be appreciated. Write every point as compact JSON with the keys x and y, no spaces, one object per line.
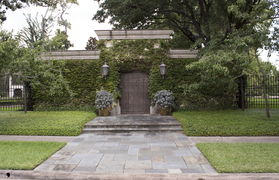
{"x":85,"y":76}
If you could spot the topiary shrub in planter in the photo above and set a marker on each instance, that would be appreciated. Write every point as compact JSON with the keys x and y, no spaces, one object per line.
{"x":103,"y":102}
{"x":165,"y":100}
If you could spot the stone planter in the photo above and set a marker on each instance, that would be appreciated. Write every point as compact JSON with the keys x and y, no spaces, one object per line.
{"x":164,"y":111}
{"x":105,"y":111}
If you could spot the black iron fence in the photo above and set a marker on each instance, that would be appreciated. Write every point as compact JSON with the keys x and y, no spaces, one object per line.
{"x":254,"y":91}
{"x":15,"y":95}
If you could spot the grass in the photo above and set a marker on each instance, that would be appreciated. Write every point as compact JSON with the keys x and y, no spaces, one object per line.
{"x":11,"y":109}
{"x":242,"y":157}
{"x":10,"y":99}
{"x":260,"y":102}
{"x":251,"y":122}
{"x":50,"y":123}
{"x":26,"y":155}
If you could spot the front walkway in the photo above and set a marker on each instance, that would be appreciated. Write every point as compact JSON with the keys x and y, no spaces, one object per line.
{"x":135,"y":152}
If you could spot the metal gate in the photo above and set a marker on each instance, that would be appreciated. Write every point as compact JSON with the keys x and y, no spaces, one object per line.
{"x":134,"y":96}
{"x":14,"y":94}
{"x":254,"y":92}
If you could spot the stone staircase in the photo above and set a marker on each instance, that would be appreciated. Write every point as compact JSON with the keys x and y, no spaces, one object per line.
{"x":132,"y":123}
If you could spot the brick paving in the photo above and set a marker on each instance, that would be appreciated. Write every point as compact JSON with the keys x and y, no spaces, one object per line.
{"x":134,"y":152}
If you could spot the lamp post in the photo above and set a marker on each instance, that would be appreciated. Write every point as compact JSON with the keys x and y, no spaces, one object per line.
{"x":163,"y":69}
{"x":105,"y":69}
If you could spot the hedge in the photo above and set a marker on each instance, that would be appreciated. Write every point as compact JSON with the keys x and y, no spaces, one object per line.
{"x":85,"y":77}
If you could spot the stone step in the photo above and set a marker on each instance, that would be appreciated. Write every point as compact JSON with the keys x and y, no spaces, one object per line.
{"x":132,"y":123}
{"x":175,"y":125}
{"x":126,"y":130}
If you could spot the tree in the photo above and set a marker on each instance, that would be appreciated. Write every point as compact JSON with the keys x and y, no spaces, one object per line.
{"x":202,"y":22}
{"x":26,"y":62}
{"x":58,"y":42}
{"x":221,"y":71}
{"x":18,"y":4}
{"x":38,"y":33}
{"x":91,"y":44}
{"x":227,"y":33}
{"x":64,"y":7}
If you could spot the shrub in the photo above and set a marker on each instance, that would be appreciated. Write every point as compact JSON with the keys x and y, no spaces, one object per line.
{"x":3,"y":94}
{"x":164,"y":98}
{"x":103,"y":99}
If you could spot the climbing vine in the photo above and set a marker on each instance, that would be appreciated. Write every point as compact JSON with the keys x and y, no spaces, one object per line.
{"x":85,"y":76}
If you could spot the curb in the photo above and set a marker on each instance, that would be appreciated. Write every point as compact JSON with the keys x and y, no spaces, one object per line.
{"x":15,"y":174}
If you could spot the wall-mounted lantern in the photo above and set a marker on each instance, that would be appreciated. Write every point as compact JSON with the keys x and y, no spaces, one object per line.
{"x":105,"y":69}
{"x":163,"y":69}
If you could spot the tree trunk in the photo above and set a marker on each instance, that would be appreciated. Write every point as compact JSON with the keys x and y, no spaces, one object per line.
{"x":264,"y":88}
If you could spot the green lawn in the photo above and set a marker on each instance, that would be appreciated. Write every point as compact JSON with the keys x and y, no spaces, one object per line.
{"x":50,"y":123}
{"x":25,"y":155}
{"x":242,"y":157}
{"x":11,"y":99}
{"x":6,"y":103}
{"x":251,"y":122}
{"x":11,"y":109}
{"x":260,"y":102}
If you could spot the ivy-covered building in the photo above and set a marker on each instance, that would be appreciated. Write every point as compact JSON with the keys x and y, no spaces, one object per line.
{"x":134,"y":77}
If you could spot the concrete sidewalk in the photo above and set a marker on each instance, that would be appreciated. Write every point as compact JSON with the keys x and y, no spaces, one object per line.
{"x":195,"y":139}
{"x":234,"y":139}
{"x":36,"y":138}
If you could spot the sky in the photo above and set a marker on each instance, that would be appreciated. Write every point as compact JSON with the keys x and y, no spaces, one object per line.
{"x":80,"y":16}
{"x":82,"y":26}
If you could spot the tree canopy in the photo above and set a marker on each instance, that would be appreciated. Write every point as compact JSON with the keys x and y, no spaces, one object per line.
{"x":18,"y":4}
{"x":21,"y":54}
{"x":27,"y":64}
{"x":204,"y":22}
{"x":38,"y":34}
{"x":58,"y":42}
{"x":37,"y":31}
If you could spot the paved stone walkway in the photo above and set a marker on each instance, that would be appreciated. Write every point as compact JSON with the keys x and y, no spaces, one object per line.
{"x":129,"y":153}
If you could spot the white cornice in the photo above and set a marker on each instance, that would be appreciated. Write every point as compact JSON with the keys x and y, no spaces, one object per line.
{"x":182,"y":53}
{"x":134,"y":34}
{"x":71,"y":54}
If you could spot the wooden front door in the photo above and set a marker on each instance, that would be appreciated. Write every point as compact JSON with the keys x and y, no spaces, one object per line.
{"x":134,"y":95}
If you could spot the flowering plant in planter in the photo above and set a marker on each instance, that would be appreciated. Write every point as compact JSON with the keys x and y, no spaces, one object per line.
{"x":164,"y":99}
{"x":103,"y":101}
